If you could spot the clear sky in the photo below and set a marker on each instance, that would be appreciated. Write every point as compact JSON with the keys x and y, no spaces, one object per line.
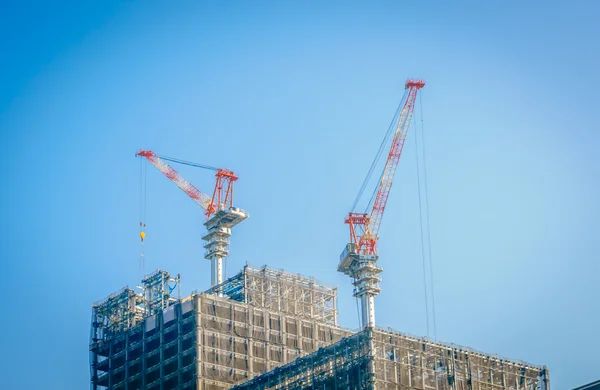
{"x":295,"y":98}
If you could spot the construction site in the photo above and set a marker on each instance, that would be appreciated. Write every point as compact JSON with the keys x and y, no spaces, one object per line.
{"x":266,"y":328}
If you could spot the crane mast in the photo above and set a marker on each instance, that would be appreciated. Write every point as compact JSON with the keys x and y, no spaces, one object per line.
{"x":359,"y":258}
{"x":220,"y":213}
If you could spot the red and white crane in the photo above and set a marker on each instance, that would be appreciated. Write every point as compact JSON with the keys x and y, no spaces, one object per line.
{"x":220,"y":213}
{"x":359,"y":258}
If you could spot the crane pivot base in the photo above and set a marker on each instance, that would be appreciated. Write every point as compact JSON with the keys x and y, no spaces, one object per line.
{"x":226,"y":218}
{"x":217,"y":239}
{"x":364,"y":271}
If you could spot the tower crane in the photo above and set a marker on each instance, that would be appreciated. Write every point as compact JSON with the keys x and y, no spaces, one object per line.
{"x":359,"y":258}
{"x":220,"y":214}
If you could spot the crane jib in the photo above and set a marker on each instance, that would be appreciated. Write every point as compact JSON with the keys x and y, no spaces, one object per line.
{"x":222,"y":194}
{"x":364,"y":231}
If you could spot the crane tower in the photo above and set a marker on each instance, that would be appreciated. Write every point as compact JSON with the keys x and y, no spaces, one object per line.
{"x":220,"y":213}
{"x":359,"y":258}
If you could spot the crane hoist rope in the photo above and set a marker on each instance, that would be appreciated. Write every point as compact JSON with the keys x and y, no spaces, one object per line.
{"x":377,"y":158}
{"x":423,"y":255}
{"x":143,"y":197}
{"x":427,"y":219}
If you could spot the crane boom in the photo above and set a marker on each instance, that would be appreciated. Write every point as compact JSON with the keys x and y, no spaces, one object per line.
{"x":385,"y":185}
{"x":202,"y":199}
{"x":364,"y":228}
{"x":222,"y":195}
{"x":359,"y":258}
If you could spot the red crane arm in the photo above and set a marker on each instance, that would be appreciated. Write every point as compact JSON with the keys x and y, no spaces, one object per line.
{"x":364,"y":229}
{"x":385,"y":185}
{"x":202,"y":199}
{"x":222,"y":194}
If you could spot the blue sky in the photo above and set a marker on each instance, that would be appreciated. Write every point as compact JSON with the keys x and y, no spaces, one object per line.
{"x":295,"y":98}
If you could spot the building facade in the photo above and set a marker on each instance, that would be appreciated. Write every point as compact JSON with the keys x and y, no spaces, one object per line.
{"x":253,"y":322}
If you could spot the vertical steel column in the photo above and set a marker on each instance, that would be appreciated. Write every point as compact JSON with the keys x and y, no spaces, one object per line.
{"x":199,"y":341}
{"x":545,"y":379}
{"x":250,"y":316}
{"x":161,"y":341}
{"x":110,"y":364}
{"x":126,"y":361}
{"x":143,"y":370}
{"x":179,"y":315}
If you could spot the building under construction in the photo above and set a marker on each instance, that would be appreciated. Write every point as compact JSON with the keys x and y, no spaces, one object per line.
{"x":251,"y":323}
{"x":384,"y":359}
{"x":267,"y":329}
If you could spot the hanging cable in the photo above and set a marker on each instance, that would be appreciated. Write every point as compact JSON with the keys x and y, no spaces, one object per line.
{"x":192,"y":164}
{"x":145,"y":203}
{"x":370,"y":204}
{"x":143,"y":186}
{"x":386,"y":137}
{"x":427,"y":218}
{"x":357,"y":305}
{"x":421,"y":224}
{"x":395,"y":121}
{"x":358,"y":336}
{"x":141,"y":216}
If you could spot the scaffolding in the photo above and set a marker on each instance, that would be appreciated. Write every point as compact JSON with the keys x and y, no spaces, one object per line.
{"x":115,"y":314}
{"x":158,"y":288}
{"x":385,"y":359}
{"x":238,"y":341}
{"x":248,"y":325}
{"x":282,"y":292}
{"x":268,"y":329}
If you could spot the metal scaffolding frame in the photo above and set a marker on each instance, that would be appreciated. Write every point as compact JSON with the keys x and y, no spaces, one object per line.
{"x":116,"y":313}
{"x":157,"y":290}
{"x":253,"y":322}
{"x":384,"y":359}
{"x":237,"y":341}
{"x":267,"y":329}
{"x":281,"y":291}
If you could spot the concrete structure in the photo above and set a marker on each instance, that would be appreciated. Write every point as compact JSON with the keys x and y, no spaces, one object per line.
{"x":251,"y":323}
